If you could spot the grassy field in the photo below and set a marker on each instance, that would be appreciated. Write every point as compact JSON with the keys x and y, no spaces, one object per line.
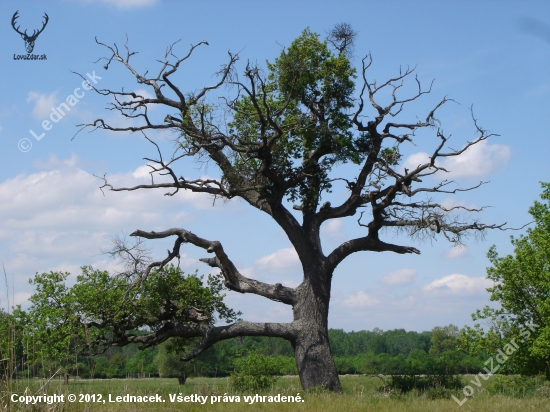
{"x":360,"y":394}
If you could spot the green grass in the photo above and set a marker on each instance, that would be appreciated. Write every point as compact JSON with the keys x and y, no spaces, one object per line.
{"x":360,"y":394}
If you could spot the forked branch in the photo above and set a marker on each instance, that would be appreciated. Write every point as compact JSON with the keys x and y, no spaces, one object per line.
{"x":234,"y":280}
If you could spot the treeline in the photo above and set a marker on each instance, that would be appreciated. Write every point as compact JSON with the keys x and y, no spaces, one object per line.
{"x":391,"y":352}
{"x":365,"y":352}
{"x":396,"y":352}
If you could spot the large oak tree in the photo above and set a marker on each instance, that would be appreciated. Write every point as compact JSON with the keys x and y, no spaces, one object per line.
{"x":277,"y":139}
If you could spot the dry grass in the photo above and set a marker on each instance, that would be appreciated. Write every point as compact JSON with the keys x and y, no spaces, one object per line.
{"x":360,"y":394}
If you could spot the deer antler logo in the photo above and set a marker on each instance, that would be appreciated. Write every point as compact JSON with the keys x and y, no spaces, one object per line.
{"x":29,"y":40}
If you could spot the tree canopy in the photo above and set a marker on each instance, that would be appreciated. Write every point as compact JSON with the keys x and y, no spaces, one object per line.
{"x":522,"y":292}
{"x":101,"y":310}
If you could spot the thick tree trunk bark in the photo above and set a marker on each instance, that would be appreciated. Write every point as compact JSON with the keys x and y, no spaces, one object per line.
{"x":312,"y":352}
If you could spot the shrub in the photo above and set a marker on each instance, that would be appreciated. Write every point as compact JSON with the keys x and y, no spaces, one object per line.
{"x":255,"y":372}
{"x":435,"y":386}
{"x":441,"y":393}
{"x":517,"y":386}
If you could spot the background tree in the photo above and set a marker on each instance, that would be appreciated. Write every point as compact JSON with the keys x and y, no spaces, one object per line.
{"x":169,"y":364}
{"x":522,"y":290}
{"x":443,"y":339}
{"x":278,"y":137}
{"x":13,"y":340}
{"x":52,"y":326}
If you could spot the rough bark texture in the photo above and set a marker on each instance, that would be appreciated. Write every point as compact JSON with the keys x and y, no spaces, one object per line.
{"x":312,"y":351}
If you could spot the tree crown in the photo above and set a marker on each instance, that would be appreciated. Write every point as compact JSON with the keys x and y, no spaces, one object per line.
{"x":278,"y":136}
{"x":522,"y":291}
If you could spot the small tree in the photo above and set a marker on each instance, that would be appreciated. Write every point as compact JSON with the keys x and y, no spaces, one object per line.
{"x":277,"y":139}
{"x":522,"y":289}
{"x":170,"y":364}
{"x":100,"y":310}
{"x":51,"y":326}
{"x":13,"y":357}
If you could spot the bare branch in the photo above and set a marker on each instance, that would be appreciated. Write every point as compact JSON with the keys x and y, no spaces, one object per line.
{"x":210,"y":334}
{"x":234,"y":280}
{"x":286,"y":331}
{"x":367,"y":243}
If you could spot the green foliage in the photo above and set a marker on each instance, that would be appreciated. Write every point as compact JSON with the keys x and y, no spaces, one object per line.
{"x":170,"y":364}
{"x":417,"y":362}
{"x":363,"y":352}
{"x":307,"y":94}
{"x":522,"y":289}
{"x":53,"y":325}
{"x":218,"y":360}
{"x":400,"y":352}
{"x":255,"y":372}
{"x":435,"y":386}
{"x":517,"y":386}
{"x":391,"y":155}
{"x":117,"y":365}
{"x":265,"y":345}
{"x":392,"y":342}
{"x":12,"y":342}
{"x":308,"y":69}
{"x":99,"y":309}
{"x":143,"y":361}
{"x":443,"y":339}
{"x":441,"y":392}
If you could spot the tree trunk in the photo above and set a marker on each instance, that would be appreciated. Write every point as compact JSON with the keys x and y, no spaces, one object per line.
{"x":312,"y":352}
{"x":66,"y":378}
{"x":182,"y":378}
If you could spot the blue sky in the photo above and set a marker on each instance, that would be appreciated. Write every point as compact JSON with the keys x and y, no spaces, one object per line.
{"x":492,"y":55}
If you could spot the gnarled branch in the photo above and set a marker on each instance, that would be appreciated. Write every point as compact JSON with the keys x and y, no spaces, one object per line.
{"x":234,"y":280}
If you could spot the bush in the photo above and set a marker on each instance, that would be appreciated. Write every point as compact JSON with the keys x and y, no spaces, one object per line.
{"x":517,"y":386}
{"x":434,"y":386}
{"x":255,"y":372}
{"x":442,"y":393}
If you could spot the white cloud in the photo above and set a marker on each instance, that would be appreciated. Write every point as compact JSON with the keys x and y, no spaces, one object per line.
{"x":480,"y":160}
{"x":457,"y":285}
{"x":141,"y":172}
{"x":290,"y":283}
{"x":274,"y":313}
{"x":456,"y":252}
{"x":271,"y":268}
{"x":410,"y":302}
{"x":360,"y":300}
{"x":399,"y":277}
{"x":21,"y":298}
{"x":43,"y":104}
{"x":58,"y":216}
{"x":283,"y":260}
{"x":248,"y":272}
{"x":450,"y":202}
{"x":415,"y":160}
{"x":333,"y":229}
{"x":146,"y":94}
